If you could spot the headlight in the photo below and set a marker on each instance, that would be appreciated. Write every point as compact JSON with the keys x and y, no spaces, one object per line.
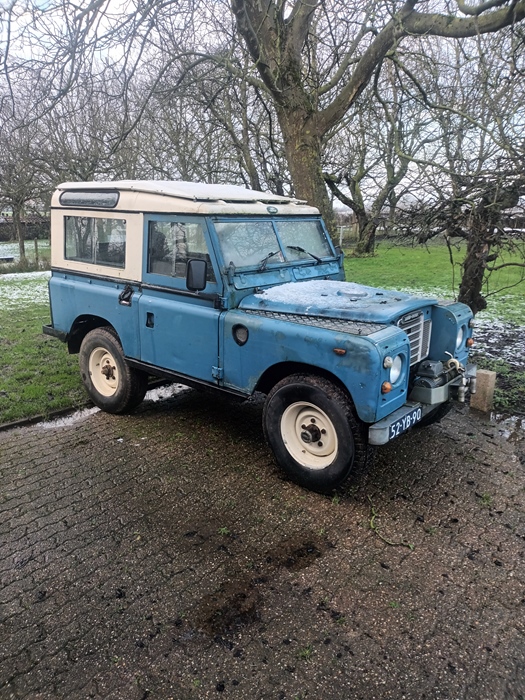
{"x":395,"y":370}
{"x":395,"y":365}
{"x":460,"y":336}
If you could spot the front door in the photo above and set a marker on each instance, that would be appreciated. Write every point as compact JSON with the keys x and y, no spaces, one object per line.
{"x":179,"y":329}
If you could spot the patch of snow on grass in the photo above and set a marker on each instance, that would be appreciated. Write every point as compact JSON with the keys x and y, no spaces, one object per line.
{"x":13,"y":249}
{"x":23,"y":289}
{"x":20,"y":276}
{"x":498,"y":340}
{"x":10,"y":249}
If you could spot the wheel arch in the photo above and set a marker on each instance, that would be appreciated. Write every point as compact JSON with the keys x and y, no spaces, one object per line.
{"x":82,"y":325}
{"x":273,"y":375}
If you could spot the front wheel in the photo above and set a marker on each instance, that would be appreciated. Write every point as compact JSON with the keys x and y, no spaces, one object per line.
{"x":310,"y":425}
{"x":111,"y":384}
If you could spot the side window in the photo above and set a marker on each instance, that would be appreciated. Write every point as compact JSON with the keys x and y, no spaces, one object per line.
{"x":172,"y":243}
{"x":99,"y":241}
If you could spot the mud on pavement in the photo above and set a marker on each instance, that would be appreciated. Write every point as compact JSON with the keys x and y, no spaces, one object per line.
{"x":163,"y":555}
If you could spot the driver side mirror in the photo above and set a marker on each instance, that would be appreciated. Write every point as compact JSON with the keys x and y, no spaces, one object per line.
{"x":196,"y":273}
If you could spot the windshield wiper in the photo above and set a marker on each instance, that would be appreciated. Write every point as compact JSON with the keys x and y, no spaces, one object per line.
{"x":302,"y":250}
{"x":264,"y":261}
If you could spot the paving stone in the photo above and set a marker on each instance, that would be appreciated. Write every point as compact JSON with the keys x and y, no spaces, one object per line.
{"x":163,"y":555}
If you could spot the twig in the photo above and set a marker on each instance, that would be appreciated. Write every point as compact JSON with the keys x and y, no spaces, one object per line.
{"x":374,"y":527}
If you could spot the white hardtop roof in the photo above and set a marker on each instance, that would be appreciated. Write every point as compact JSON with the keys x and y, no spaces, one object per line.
{"x":195,"y":191}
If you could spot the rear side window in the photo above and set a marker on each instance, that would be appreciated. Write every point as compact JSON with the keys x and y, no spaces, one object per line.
{"x":96,"y":240}
{"x":172,"y":243}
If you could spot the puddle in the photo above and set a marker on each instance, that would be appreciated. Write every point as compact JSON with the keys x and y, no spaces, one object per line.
{"x":234,"y":606}
{"x":510,"y":428}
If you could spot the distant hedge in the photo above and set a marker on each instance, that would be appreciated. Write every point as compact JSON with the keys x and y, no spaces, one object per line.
{"x":33,"y":229}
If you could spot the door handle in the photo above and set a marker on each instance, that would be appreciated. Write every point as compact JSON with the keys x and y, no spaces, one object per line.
{"x":125,"y":295}
{"x":150,"y":319}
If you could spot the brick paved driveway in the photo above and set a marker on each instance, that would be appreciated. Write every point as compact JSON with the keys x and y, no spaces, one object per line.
{"x":162,"y":555}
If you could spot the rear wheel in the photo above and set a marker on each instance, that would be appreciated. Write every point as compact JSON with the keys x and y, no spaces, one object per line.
{"x":311,"y":427}
{"x":111,"y":384}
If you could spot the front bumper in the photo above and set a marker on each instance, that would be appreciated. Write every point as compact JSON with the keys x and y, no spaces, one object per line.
{"x":422,"y":401}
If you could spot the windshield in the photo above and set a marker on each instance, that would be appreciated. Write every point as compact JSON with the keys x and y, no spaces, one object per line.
{"x":262,"y":243}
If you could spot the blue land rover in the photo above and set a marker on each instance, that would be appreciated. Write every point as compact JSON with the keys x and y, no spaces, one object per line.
{"x":221,"y":287}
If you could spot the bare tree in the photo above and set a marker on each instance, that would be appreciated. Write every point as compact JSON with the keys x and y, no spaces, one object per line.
{"x":312,"y":60}
{"x":313,"y":90}
{"x":371,"y":155}
{"x":467,"y":186}
{"x":22,"y":183}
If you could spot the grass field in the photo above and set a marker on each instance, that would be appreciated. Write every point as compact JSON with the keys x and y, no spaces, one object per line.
{"x":37,"y":376}
{"x":428,"y":270}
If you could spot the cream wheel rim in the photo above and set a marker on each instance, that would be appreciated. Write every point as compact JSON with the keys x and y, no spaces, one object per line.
{"x":309,"y":435}
{"x":103,"y":371}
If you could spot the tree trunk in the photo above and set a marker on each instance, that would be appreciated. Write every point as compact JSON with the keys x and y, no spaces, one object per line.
{"x":19,"y":232}
{"x":303,"y":154}
{"x":486,"y":218}
{"x":474,"y":266}
{"x":367,"y":238}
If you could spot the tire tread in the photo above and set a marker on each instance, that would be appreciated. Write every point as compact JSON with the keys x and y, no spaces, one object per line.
{"x":135,"y":384}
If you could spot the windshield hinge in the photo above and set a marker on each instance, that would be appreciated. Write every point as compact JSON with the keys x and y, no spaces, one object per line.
{"x":217,"y":372}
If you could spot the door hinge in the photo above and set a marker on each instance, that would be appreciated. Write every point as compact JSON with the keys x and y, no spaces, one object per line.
{"x":217,"y":372}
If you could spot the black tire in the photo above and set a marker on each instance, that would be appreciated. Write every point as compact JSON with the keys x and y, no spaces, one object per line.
{"x":435,"y":415}
{"x":310,"y":424}
{"x":111,"y":384}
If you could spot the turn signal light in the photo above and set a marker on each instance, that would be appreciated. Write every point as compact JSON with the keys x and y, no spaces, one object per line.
{"x":470,"y":342}
{"x":386,"y":387}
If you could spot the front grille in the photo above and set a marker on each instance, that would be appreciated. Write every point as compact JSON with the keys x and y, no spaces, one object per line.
{"x":418,"y":331}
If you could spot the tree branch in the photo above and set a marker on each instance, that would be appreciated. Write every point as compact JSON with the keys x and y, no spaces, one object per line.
{"x":478,"y":9}
{"x":299,"y":23}
{"x":421,"y":23}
